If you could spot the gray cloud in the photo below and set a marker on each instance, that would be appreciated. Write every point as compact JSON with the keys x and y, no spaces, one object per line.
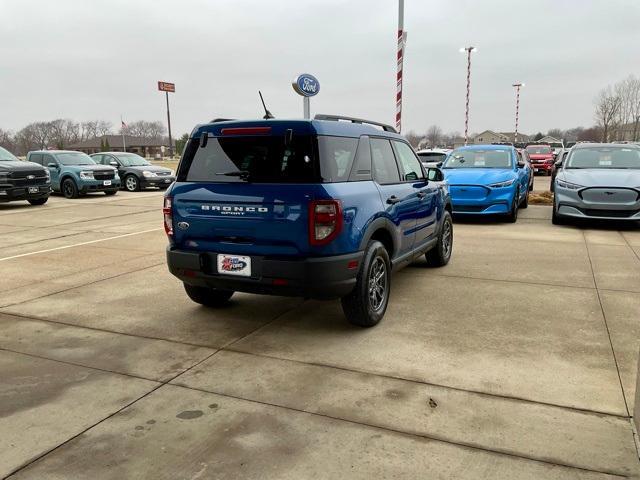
{"x":100,"y":59}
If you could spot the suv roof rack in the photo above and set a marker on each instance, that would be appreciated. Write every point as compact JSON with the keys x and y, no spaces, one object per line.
{"x":215,"y":120}
{"x":337,"y":118}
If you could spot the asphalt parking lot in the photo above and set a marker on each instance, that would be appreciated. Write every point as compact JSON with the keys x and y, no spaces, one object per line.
{"x":517,"y":360}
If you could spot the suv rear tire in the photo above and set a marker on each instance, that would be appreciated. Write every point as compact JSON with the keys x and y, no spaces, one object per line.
{"x":440,"y":255}
{"x":512,"y":216}
{"x":366,"y":304}
{"x":38,"y":201}
{"x":209,"y":297}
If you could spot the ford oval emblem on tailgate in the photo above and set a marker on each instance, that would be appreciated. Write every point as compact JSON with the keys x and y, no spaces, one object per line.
{"x":183,"y":225}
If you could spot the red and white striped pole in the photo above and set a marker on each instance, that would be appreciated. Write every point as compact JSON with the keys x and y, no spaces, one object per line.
{"x":400,"y":58}
{"x":517,"y":85}
{"x":466,"y":111}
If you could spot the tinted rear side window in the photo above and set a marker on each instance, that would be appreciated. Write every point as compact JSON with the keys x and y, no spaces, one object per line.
{"x":36,"y":157}
{"x":336,"y":157}
{"x":384,"y":163}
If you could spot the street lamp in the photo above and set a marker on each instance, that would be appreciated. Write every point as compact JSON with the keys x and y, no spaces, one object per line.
{"x":468,"y":50}
{"x":518,"y":87}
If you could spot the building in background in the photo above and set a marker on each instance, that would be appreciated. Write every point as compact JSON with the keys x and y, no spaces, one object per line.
{"x":146,"y":147}
{"x":489,"y":136}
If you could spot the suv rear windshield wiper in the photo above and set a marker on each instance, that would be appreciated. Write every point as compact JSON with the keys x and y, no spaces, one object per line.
{"x":243,"y":174}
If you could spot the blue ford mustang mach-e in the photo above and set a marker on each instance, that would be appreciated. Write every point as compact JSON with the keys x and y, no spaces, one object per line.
{"x":487,"y":180}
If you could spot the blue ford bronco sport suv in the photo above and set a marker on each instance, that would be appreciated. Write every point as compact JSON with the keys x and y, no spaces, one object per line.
{"x":323,"y":208}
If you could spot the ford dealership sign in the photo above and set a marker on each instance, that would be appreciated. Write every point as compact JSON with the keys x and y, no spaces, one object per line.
{"x":306,"y":85}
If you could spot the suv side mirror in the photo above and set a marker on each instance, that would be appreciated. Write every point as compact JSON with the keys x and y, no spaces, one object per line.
{"x":558,"y":164}
{"x":113,"y":163}
{"x":522,"y":164}
{"x":52,"y":165}
{"x":434,"y":174}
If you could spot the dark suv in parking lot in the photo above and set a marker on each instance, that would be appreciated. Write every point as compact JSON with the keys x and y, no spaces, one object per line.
{"x":75,"y":173}
{"x":322,"y":208}
{"x":22,"y":180}
{"x":136,"y":172}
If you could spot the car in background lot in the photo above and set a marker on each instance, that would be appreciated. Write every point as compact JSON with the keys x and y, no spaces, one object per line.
{"x":136,"y":172}
{"x":487,"y":180}
{"x":75,"y":173}
{"x":557,"y":165}
{"x":598,"y":181}
{"x":525,"y":156}
{"x":321,"y":208}
{"x":433,"y":157}
{"x":23,"y":180}
{"x":541,"y":158}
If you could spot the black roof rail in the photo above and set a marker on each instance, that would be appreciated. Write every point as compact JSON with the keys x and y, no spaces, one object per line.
{"x":337,"y":118}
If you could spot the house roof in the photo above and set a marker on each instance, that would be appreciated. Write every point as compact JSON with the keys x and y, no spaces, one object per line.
{"x":116,"y":140}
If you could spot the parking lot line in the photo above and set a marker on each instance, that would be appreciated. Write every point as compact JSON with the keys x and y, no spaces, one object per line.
{"x":78,"y":244}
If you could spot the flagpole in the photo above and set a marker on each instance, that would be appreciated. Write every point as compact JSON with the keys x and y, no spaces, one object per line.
{"x":124,"y":147}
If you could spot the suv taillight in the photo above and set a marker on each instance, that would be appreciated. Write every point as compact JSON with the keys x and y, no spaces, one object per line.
{"x":325,"y":221}
{"x":167,"y":211}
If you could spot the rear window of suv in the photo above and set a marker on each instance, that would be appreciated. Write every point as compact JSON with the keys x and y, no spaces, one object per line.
{"x":266,"y":159}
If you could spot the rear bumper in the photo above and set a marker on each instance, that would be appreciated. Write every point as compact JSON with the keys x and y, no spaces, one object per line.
{"x":9,"y":193}
{"x":542,"y":167}
{"x":321,"y":277}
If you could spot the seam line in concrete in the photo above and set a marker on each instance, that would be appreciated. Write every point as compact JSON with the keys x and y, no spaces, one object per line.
{"x":597,"y":413}
{"x":410,"y":434}
{"x":64,"y":247}
{"x":72,"y":288}
{"x":606,"y":326}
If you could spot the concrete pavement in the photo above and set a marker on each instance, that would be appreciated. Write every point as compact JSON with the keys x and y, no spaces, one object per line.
{"x":518,"y":360}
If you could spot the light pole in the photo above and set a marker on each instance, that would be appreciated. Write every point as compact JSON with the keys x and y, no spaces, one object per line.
{"x":518,"y":86}
{"x":468,"y":50}
{"x":402,"y":38}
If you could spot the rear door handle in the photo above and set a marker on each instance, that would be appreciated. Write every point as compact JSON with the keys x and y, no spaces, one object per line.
{"x":393,"y":200}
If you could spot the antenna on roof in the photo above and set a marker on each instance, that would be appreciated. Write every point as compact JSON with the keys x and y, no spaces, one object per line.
{"x":267,"y":113}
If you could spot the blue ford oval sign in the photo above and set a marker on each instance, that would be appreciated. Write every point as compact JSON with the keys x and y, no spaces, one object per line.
{"x":306,"y":85}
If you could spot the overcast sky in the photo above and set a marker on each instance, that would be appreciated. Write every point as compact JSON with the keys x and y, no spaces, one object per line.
{"x":98,"y":59}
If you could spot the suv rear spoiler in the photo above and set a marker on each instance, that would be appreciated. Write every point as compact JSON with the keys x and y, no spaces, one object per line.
{"x":338,"y":118}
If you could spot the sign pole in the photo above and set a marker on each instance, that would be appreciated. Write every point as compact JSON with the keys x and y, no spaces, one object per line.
{"x":169,"y":125}
{"x":306,"y":107}
{"x":400,"y":61}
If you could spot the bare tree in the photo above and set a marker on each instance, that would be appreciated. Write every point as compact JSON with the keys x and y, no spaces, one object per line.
{"x":607,"y":107}
{"x":413,"y":138}
{"x":556,"y":133}
{"x":434,"y":135}
{"x":145,"y":129}
{"x":7,"y":140}
{"x":103,"y":127}
{"x":64,"y":132}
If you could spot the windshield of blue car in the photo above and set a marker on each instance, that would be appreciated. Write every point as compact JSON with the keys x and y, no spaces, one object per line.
{"x":131,"y":160}
{"x":7,"y":156}
{"x":74,"y":158}
{"x":604,"y":157}
{"x":476,"y":158}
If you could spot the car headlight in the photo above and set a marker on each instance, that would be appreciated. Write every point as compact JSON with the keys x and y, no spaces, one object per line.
{"x":506,"y":183}
{"x":172,"y":173}
{"x":568,"y":185}
{"x":47,"y":174}
{"x":148,"y":174}
{"x":86,"y":175}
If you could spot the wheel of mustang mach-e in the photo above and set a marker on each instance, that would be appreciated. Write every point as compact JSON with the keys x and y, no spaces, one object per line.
{"x":209,"y":297}
{"x":439,"y":255}
{"x":366,"y":304}
{"x":525,"y":202}
{"x":557,"y":219}
{"x":512,"y":216}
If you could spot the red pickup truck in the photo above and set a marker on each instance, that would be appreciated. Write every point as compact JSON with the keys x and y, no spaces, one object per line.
{"x":541,"y":158}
